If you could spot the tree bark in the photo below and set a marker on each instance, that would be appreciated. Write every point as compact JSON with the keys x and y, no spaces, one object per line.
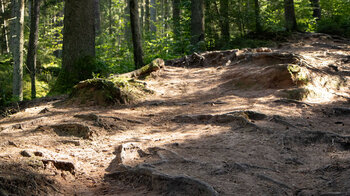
{"x":17,"y":47}
{"x":316,"y":9}
{"x":225,"y":25}
{"x":5,"y":46}
{"x":127,"y":28}
{"x":110,"y":18}
{"x":142,"y":18}
{"x":153,"y":15}
{"x":136,"y":33}
{"x":33,"y":43}
{"x":197,"y":21}
{"x":166,"y":14}
{"x":258,"y":27}
{"x":147,"y":16}
{"x":176,"y":17}
{"x":78,"y":34}
{"x":289,"y":13}
{"x":97,"y":17}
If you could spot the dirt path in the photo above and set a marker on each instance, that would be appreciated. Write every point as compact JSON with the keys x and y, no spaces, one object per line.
{"x":200,"y":133}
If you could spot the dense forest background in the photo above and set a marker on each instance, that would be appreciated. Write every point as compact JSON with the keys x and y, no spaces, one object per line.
{"x":166,"y":28}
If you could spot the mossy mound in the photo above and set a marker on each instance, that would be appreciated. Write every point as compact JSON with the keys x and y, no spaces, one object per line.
{"x":115,"y":90}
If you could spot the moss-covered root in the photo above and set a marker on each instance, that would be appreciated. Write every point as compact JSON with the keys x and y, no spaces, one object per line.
{"x":146,"y":70}
{"x":98,"y":91}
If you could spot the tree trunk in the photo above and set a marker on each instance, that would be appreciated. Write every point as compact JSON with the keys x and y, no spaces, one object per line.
{"x":33,"y":43}
{"x":258,"y":27}
{"x":5,"y":45}
{"x":166,"y":14}
{"x":197,"y":21}
{"x":97,"y":17}
{"x":136,"y":33}
{"x":316,"y":9}
{"x":153,"y":15}
{"x":147,"y":16}
{"x":78,"y":35}
{"x":225,"y":25}
{"x":110,"y":18}
{"x":289,"y":13}
{"x":127,"y":28}
{"x":17,"y":47}
{"x":142,"y":19}
{"x":176,"y":17}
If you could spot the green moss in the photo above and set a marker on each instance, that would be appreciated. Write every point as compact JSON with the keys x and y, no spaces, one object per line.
{"x":297,"y":94}
{"x":299,"y":75}
{"x":111,"y":91}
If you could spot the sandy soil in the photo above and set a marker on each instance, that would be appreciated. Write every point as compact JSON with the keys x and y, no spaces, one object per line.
{"x":186,"y":129}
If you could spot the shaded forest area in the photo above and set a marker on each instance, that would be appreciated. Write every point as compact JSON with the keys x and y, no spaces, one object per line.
{"x":167,"y":29}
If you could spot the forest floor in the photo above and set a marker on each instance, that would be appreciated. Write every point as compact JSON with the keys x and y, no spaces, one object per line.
{"x":202,"y":132}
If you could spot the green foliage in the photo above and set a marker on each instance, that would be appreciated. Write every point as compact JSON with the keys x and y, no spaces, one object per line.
{"x":337,"y":25}
{"x":5,"y":80}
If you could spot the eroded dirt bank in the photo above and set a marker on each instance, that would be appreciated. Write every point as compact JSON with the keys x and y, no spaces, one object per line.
{"x":248,"y":122}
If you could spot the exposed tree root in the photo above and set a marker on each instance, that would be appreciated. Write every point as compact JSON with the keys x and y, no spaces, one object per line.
{"x":162,"y":183}
{"x":309,"y":137}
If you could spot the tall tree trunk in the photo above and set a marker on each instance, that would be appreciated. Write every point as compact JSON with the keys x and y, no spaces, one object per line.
{"x":258,"y":27}
{"x":127,"y":28}
{"x":176,"y":17}
{"x":225,"y":25}
{"x":142,"y":19}
{"x":17,"y":47}
{"x":136,"y":33}
{"x":147,"y":16}
{"x":289,"y":13}
{"x":97,"y":17}
{"x":33,"y":43}
{"x":110,"y":17}
{"x":78,"y":37}
{"x":5,"y":33}
{"x":197,"y":21}
{"x":153,"y":15}
{"x":166,"y":14}
{"x":316,"y":9}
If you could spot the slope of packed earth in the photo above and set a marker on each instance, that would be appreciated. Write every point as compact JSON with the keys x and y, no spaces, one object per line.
{"x":239,"y":122}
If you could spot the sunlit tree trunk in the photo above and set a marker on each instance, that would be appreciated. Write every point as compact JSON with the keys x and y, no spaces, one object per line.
{"x":176,"y":17}
{"x":147,"y":16}
{"x":136,"y":33}
{"x":5,"y":45}
{"x":153,"y":15}
{"x":197,"y":21}
{"x":78,"y":34}
{"x":33,"y":43}
{"x":166,"y":14}
{"x":17,"y":47}
{"x":289,"y":13}
{"x":110,"y":17}
{"x":127,"y":28}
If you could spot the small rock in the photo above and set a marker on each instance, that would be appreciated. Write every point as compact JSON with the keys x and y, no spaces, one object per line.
{"x":44,"y":111}
{"x":12,"y":143}
{"x":38,"y":154}
{"x":339,"y":111}
{"x":17,"y":126}
{"x":25,"y":153}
